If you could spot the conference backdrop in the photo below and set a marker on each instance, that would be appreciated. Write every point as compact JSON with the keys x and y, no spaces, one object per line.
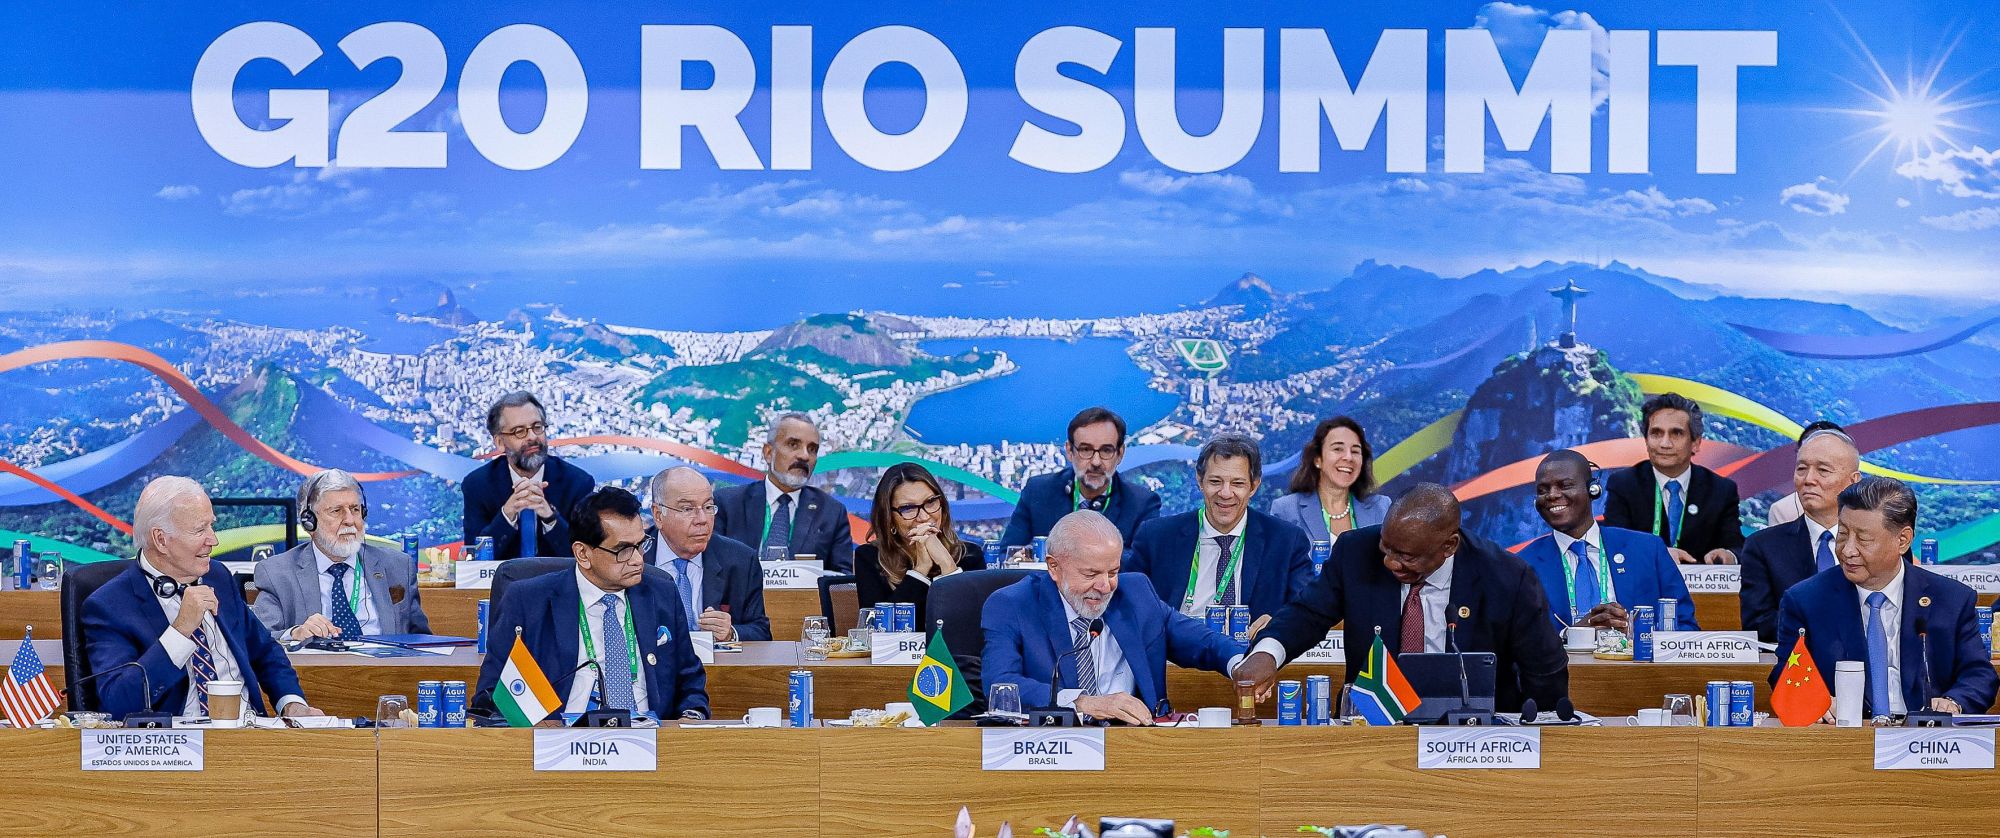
{"x":244,"y":241}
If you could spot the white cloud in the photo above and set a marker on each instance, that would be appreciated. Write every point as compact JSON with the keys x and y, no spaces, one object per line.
{"x":831,"y":203}
{"x":1982,"y":218}
{"x":1814,"y":198}
{"x":1964,"y":174}
{"x":957,"y":226}
{"x":178,"y":192}
{"x":1159,"y":184}
{"x":1656,"y":204}
{"x":303,"y":195}
{"x":1902,"y":203}
{"x":1518,"y":31}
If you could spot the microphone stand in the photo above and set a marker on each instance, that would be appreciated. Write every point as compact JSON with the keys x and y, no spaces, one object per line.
{"x":1056,"y":715}
{"x":1465,"y":715}
{"x":1924,"y":716}
{"x":149,"y":718}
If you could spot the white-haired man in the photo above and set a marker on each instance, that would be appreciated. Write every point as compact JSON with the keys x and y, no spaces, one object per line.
{"x":337,"y":584}
{"x":781,"y":513}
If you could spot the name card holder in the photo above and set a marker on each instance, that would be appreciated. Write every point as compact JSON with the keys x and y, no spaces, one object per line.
{"x":896,"y":648}
{"x":1453,"y":748}
{"x":597,"y":749}
{"x":1042,"y":749}
{"x":142,"y":750}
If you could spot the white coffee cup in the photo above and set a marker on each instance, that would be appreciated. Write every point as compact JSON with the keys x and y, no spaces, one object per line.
{"x":1212,"y":717}
{"x":1649,"y":717}
{"x":1579,"y":638}
{"x":764,"y":717}
{"x":225,"y":701}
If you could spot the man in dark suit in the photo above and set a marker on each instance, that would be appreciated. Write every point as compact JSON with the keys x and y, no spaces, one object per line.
{"x":1412,"y":578}
{"x":1876,"y":608}
{"x":1224,"y":553}
{"x":1592,"y":574}
{"x":1107,"y":632}
{"x":608,"y":612}
{"x":718,"y":579}
{"x":1688,"y":506}
{"x":1777,"y":557}
{"x":525,"y":481}
{"x":1096,"y":446}
{"x":781,"y":511}
{"x":182,"y":618}
{"x":337,"y":584}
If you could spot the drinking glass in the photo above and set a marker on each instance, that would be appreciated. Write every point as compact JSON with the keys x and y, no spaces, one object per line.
{"x":1004,"y":699}
{"x":1020,"y":555}
{"x":1680,"y":710}
{"x":815,"y":633}
{"x":866,"y":618}
{"x":389,"y":710}
{"x":774,"y":553}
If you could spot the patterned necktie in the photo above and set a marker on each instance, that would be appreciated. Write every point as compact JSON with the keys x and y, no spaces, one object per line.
{"x":202,"y":667}
{"x":685,"y":584}
{"x":343,"y":608}
{"x":1412,"y":640}
{"x":617,"y":658}
{"x":781,"y":526}
{"x":1674,"y":510}
{"x":1587,"y":594}
{"x":1086,"y":661}
{"x":1878,"y":657}
{"x":1225,"y":582}
{"x":1824,"y":557}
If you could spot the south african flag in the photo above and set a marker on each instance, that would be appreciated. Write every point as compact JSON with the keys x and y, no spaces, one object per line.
{"x":938,"y":690}
{"x":1381,"y":695}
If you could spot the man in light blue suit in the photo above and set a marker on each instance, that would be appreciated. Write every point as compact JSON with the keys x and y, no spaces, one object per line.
{"x":1107,"y":647}
{"x":1594,"y":573}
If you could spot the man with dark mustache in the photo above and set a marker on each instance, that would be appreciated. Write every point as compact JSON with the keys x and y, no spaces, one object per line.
{"x":1095,"y":447}
{"x":524,"y":483}
{"x":782,"y":513}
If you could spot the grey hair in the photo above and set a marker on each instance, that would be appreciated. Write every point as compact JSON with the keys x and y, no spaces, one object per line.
{"x":771,"y":433}
{"x":155,"y":509}
{"x":328,"y":480}
{"x":1887,"y":495}
{"x":1076,"y":528}
{"x":659,"y":484}
{"x":1230,"y":446}
{"x":518,"y":398}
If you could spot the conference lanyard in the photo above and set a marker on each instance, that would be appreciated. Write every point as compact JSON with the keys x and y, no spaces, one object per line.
{"x":1194,"y":567}
{"x":1329,"y":518}
{"x":1076,"y":494}
{"x":1660,"y":517}
{"x":1603,"y":579}
{"x":354,"y":599}
{"x":631,"y":636}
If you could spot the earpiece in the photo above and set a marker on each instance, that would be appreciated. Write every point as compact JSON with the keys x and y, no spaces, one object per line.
{"x":309,"y":495}
{"x":1596,"y":487}
{"x":166,"y":588}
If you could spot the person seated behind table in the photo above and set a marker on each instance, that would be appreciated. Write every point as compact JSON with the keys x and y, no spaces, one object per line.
{"x":780,"y":512}
{"x":1333,"y":489}
{"x":1593,"y":574}
{"x":724,"y":582}
{"x":1873,"y":605}
{"x":1412,"y":579}
{"x":1777,"y":557}
{"x":1121,"y":672}
{"x":912,"y":542}
{"x":526,"y":478}
{"x":1239,"y":556}
{"x":606,"y":610}
{"x":1095,"y":447}
{"x":1787,"y":509}
{"x":1691,"y":508}
{"x":182,"y":618}
{"x":337,"y":584}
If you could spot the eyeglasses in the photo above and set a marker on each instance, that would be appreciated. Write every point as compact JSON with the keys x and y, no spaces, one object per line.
{"x":526,"y":431}
{"x":630,"y":552}
{"x":908,"y":512}
{"x":1085,"y":452}
{"x":352,"y":510}
{"x":705,"y":510}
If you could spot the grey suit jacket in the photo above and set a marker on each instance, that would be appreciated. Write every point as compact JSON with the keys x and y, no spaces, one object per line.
{"x":288,"y":590}
{"x":1301,"y":509}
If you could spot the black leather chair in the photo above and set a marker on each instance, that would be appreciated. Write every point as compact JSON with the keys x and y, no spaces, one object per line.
{"x":956,"y":600}
{"x":78,"y":583}
{"x":837,"y":599}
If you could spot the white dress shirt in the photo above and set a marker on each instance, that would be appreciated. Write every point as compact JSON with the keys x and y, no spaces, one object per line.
{"x":1595,"y":541}
{"x":666,"y":562}
{"x":548,"y":522}
{"x":1892,"y":629}
{"x":1114,"y":674}
{"x":1660,"y":481}
{"x":1435,"y":599}
{"x":1813,"y":529}
{"x":180,"y":649}
{"x":586,"y":680}
{"x":364,"y":605}
{"x":1210,"y":555}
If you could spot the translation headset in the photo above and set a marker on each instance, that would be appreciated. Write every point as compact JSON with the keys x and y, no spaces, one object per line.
{"x":166,"y":588}
{"x":309,"y":495}
{"x":1596,"y":487}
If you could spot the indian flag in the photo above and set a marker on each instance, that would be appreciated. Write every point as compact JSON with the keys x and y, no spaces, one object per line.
{"x":524,"y":695}
{"x":1381,"y":695}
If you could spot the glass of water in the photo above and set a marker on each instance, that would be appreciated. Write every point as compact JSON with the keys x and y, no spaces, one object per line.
{"x":774,"y":553}
{"x":815,"y":633}
{"x":1680,"y":710}
{"x":389,"y":710}
{"x":1004,"y":699}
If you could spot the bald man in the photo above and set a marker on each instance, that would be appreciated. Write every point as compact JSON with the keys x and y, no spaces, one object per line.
{"x":1412,"y":577}
{"x":718,"y":579}
{"x":1776,"y":558}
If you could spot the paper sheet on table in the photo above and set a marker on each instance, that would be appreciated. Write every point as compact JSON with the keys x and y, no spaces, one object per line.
{"x":307,"y":722}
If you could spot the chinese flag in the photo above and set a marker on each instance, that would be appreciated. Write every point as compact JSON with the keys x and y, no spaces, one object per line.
{"x":1801,"y":697}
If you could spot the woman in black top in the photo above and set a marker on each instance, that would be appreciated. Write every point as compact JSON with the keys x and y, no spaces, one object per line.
{"x":912,"y":543}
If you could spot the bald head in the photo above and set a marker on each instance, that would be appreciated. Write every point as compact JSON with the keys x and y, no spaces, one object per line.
{"x":1828,"y":462}
{"x":1420,"y":533}
{"x":684,"y":511}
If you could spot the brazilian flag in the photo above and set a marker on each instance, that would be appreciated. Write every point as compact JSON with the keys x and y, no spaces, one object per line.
{"x":939,"y":689}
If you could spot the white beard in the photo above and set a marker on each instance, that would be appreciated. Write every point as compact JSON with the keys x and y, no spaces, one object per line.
{"x":338,"y":549}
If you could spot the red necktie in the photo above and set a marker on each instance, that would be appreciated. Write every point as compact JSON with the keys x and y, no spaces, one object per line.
{"x":1413,"y":620}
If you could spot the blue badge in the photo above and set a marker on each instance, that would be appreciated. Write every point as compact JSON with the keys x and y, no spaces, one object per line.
{"x":664,"y":634}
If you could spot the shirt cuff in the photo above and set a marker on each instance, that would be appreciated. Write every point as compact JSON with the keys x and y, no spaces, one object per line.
{"x":1272,"y":647}
{"x":1067,"y":698}
{"x":1234,"y":662}
{"x":512,"y":520}
{"x":288,"y":701}
{"x":954,"y":572}
{"x":180,"y":647}
{"x":918,"y":576}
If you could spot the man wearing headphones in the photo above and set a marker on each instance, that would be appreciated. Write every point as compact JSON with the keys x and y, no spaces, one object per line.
{"x":1593,"y":573}
{"x":336,"y":584}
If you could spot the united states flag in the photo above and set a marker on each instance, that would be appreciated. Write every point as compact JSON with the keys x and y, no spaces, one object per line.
{"x":25,"y":693}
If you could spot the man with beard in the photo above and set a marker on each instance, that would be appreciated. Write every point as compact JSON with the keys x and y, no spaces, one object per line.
{"x":1593,"y":573}
{"x":1109,"y":649}
{"x":781,"y":511}
{"x":524,"y":484}
{"x":1095,"y":447}
{"x":336,"y":584}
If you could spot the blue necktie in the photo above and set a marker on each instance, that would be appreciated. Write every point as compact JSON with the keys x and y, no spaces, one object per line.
{"x":1825,"y":556}
{"x":781,"y":526}
{"x":1674,"y":510}
{"x":1587,"y":594}
{"x":201,"y":667}
{"x":1878,"y":657}
{"x":343,"y":608}
{"x":686,"y":587}
{"x":1224,"y":586}
{"x":617,"y":658}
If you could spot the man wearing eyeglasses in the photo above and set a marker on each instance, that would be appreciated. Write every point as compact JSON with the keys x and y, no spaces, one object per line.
{"x":525,"y":483}
{"x":1095,"y":446}
{"x":716,"y":577}
{"x":607,"y":633}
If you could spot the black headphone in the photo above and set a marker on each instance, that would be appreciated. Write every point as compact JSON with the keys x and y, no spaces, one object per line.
{"x":1596,"y":487}
{"x":166,"y":588}
{"x":309,"y":494}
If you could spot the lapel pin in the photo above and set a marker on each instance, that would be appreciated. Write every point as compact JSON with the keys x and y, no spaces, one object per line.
{"x":651,"y":660}
{"x":1464,"y":612}
{"x":1923,"y":602}
{"x":1694,"y":510}
{"x":1618,"y":558}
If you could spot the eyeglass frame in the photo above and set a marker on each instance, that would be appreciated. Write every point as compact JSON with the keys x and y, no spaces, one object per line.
{"x":908,"y":512}
{"x":523,"y":432}
{"x":638,"y":551}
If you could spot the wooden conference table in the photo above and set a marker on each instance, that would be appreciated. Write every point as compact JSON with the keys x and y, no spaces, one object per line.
{"x":833,"y":782}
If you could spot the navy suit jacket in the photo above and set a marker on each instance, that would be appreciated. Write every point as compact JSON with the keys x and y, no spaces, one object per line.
{"x":1027,"y":632}
{"x":1495,"y":599}
{"x":122,"y":622}
{"x":1641,"y":573}
{"x":732,"y":579}
{"x":819,"y":523}
{"x":1773,"y":559}
{"x":1711,"y":519}
{"x":1048,"y":497}
{"x":1828,"y":607}
{"x":544,"y":608}
{"x":487,"y":489}
{"x":1277,"y":559}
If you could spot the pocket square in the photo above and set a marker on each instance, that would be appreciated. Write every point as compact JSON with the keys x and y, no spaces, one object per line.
{"x":665,"y":635}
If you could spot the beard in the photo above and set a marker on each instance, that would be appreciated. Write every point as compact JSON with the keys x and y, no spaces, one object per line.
{"x":528,"y":459}
{"x":340,"y":546}
{"x":790,"y":480}
{"x":1084,"y":609}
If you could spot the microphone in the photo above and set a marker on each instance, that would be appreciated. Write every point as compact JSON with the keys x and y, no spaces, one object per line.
{"x":1565,"y":710}
{"x":1465,"y":714}
{"x":1056,"y":715}
{"x":602,"y":716}
{"x":531,"y":526}
{"x":1528,"y":711}
{"x":1923,"y":715}
{"x":148,"y":718}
